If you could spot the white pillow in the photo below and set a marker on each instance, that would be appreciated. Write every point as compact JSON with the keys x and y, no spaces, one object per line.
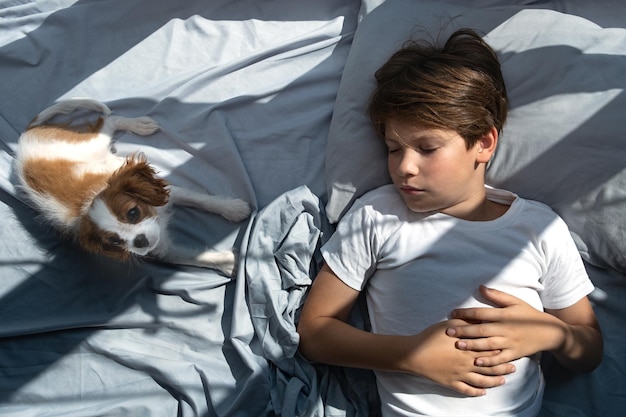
{"x":563,"y":144}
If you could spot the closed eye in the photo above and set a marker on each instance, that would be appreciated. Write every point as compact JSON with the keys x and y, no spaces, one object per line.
{"x":114,"y":240}
{"x":427,"y":150}
{"x":392,"y":145}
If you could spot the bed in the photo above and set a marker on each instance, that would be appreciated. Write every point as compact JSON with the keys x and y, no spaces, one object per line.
{"x":265,"y":101}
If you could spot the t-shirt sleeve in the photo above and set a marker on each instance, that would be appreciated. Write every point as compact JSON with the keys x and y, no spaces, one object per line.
{"x":566,"y":280}
{"x":351,"y":250}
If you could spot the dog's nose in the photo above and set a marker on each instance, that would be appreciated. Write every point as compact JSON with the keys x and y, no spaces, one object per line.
{"x":141,"y":241}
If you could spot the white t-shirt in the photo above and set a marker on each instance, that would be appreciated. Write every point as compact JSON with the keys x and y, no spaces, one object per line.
{"x":417,"y":268}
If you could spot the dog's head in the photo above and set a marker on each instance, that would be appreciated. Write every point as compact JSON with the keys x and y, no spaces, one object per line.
{"x":123,"y":219}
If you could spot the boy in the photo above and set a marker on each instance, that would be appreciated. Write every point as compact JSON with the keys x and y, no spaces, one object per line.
{"x":465,"y":284}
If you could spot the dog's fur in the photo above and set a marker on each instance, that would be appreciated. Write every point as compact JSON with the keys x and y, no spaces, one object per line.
{"x":110,"y":205}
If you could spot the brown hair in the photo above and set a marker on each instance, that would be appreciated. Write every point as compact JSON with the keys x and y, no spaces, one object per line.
{"x":458,"y":86}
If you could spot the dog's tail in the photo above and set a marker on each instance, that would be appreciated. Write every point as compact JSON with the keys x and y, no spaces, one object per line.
{"x":67,"y":107}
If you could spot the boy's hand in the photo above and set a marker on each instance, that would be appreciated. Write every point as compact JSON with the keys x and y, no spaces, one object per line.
{"x":516,"y":329}
{"x":436,"y":358}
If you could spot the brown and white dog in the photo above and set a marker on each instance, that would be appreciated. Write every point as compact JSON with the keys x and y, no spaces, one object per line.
{"x":110,"y":205}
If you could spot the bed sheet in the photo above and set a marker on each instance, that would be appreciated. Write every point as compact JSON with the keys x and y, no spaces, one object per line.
{"x":244,"y":92}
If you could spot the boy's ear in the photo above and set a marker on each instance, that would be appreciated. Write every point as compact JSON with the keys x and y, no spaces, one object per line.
{"x":487,"y":146}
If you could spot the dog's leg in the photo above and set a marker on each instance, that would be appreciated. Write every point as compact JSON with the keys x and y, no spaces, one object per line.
{"x":142,"y":126}
{"x":232,"y":209}
{"x":223,"y":261}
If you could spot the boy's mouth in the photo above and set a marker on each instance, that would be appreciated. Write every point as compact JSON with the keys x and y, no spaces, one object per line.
{"x":409,"y":190}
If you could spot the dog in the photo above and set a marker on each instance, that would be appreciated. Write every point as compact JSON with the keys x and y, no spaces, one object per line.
{"x":108,"y":204}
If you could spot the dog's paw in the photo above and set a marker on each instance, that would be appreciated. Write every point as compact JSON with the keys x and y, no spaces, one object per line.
{"x":228,"y":270}
{"x":236,"y":210}
{"x":144,"y":126}
{"x":223,"y":261}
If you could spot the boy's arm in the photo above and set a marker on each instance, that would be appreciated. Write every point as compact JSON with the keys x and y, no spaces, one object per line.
{"x":582,"y":346}
{"x":572,"y":334}
{"x":326,"y":337}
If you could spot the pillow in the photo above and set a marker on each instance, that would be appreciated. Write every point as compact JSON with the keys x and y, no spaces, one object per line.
{"x":563,"y":143}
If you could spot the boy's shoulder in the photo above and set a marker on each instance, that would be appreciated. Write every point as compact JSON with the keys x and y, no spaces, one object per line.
{"x":534,"y":215}
{"x":508,"y":197}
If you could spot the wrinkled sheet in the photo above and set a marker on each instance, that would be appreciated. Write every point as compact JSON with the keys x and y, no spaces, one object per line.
{"x":244,"y":93}
{"x":281,"y":258}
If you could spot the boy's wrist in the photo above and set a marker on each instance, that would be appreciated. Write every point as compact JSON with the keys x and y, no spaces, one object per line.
{"x":560,"y":340}
{"x":402,"y":360}
{"x":571,"y":352}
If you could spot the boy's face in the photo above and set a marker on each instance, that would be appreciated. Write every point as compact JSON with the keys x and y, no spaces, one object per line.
{"x":434,"y":171}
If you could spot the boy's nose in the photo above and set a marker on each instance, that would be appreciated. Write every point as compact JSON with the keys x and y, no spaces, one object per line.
{"x":407,"y":165}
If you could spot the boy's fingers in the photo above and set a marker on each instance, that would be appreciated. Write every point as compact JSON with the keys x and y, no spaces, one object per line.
{"x":500,"y":298}
{"x":474,"y":331}
{"x":491,"y":344}
{"x":498,"y":364}
{"x":478,"y":381}
{"x":476,"y":315}
{"x":498,"y":369}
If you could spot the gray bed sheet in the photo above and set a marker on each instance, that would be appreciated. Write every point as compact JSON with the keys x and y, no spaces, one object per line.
{"x":244,"y":92}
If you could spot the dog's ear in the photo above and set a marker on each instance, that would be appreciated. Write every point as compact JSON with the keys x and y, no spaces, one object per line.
{"x":94,"y":240}
{"x":138,"y":178}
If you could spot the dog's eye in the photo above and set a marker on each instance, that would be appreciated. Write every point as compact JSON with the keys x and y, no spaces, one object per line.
{"x":133,"y":215}
{"x":115,"y":241}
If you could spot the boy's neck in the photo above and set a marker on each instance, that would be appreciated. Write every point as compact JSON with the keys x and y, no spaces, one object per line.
{"x":491,"y":210}
{"x":478,"y":208}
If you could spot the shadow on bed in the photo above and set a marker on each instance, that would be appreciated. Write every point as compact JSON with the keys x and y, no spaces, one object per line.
{"x":63,"y":34}
{"x":157,"y":338}
{"x":82,"y":333}
{"x":587,"y":174}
